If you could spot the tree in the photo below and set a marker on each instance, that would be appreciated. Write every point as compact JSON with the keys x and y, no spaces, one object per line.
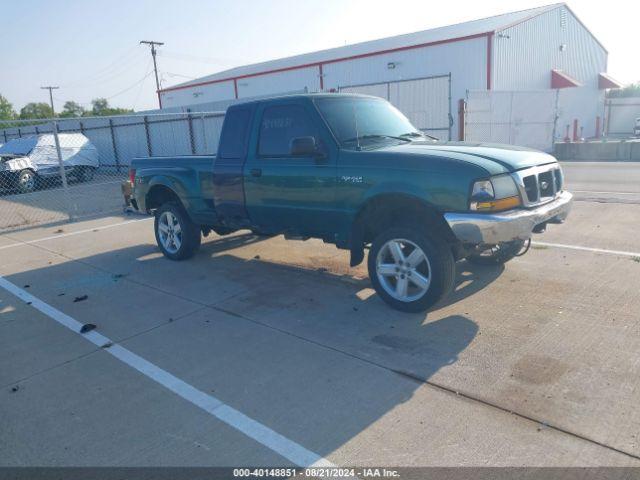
{"x":36,"y":110}
{"x":632,"y":90}
{"x":72,"y":109}
{"x":6,"y":109}
{"x":101,"y":108}
{"x":100,"y":105}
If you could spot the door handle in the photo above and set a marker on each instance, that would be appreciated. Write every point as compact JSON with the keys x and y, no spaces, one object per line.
{"x":256,"y":172}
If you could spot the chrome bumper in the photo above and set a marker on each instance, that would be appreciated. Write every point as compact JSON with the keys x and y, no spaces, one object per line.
{"x":493,"y":228}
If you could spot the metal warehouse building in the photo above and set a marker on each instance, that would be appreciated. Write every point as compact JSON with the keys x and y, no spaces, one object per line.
{"x":519,"y":78}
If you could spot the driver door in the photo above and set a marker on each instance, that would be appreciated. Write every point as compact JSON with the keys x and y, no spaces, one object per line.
{"x":284,"y":192}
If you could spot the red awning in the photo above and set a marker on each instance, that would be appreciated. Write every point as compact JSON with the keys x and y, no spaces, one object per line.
{"x":559,"y":79}
{"x":605,"y":81}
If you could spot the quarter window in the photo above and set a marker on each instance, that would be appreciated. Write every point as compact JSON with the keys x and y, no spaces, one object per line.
{"x":279,"y":126}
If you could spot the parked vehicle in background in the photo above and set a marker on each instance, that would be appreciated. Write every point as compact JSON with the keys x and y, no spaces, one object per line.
{"x":353,"y":171}
{"x":636,"y":128}
{"x":31,"y":162}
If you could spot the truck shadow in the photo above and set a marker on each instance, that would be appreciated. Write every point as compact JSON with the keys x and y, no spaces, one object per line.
{"x":470,"y":278}
{"x":364,"y":359}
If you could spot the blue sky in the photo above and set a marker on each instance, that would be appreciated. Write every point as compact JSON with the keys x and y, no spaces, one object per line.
{"x":90,"y":48}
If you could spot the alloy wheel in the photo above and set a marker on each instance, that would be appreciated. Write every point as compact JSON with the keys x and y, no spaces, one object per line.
{"x":403,"y":270}
{"x":170,"y":232}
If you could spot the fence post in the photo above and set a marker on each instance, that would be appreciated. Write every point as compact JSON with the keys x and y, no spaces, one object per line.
{"x":19,"y":133}
{"x":191,"y":139}
{"x":63,"y":174}
{"x":113,"y":144}
{"x":146,"y":132}
{"x":204,"y":135}
{"x":461,"y":118}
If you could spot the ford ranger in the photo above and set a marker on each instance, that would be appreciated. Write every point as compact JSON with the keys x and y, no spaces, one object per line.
{"x":353,"y":171}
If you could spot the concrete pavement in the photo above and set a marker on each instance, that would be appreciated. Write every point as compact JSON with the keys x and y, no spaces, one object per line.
{"x":532,"y":364}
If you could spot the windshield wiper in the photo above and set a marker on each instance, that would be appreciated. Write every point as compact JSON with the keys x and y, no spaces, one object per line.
{"x":371,"y":136}
{"x":418,"y":134}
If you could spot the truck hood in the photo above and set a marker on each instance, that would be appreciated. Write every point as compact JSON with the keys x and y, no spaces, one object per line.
{"x":494,"y":158}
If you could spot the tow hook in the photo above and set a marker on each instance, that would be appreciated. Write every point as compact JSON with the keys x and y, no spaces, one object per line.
{"x":540,"y":228}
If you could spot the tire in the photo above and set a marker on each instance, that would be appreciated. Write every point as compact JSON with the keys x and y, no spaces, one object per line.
{"x":85,"y":174}
{"x":177,"y":236}
{"x":499,"y":254}
{"x":27,"y":181}
{"x":388,"y":267}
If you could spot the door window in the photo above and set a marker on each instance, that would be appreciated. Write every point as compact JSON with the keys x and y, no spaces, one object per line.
{"x":279,"y":126}
{"x":233,"y":139}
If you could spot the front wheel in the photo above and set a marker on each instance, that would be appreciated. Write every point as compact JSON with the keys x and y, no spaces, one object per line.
{"x":27,"y":181}
{"x":177,"y":236}
{"x":498,"y":254}
{"x":410,"y":269}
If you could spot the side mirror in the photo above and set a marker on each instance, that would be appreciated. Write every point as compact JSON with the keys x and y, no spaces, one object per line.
{"x":303,"y":147}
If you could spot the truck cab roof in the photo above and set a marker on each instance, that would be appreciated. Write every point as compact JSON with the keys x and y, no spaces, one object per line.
{"x":300,"y":96}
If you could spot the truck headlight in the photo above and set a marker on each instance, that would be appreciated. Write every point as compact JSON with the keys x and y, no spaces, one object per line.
{"x":496,"y":194}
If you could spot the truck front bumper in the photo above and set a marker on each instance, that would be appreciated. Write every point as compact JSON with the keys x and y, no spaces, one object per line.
{"x":494,"y":228}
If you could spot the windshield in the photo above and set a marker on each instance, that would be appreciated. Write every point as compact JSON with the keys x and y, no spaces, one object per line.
{"x":364,"y":122}
{"x":18,"y":147}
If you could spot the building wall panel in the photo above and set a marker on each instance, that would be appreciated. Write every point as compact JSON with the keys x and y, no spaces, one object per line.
{"x":525,"y":54}
{"x":213,"y":92}
{"x":302,"y":79}
{"x":465,"y":60}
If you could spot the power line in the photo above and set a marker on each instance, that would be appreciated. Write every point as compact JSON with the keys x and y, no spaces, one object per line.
{"x":113,"y":74}
{"x":130,"y":86}
{"x":199,"y":59}
{"x":135,"y":103}
{"x":171,"y":74}
{"x":108,"y":69}
{"x":153,"y":44}
{"x":124,"y":90}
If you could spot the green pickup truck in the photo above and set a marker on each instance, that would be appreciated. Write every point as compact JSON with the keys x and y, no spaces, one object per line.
{"x":353,"y":171}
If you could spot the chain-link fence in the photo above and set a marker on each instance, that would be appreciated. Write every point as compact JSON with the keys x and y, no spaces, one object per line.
{"x":67,"y":169}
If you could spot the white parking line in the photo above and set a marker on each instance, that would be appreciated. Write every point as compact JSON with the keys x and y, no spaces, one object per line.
{"x":588,"y":249}
{"x":271,"y":439}
{"x":62,"y":235}
{"x":608,"y":193}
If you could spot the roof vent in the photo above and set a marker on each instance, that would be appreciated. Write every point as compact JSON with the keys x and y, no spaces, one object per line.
{"x":563,"y":17}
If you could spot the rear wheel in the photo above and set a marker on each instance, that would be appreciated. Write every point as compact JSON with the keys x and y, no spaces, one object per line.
{"x":410,"y":269}
{"x":498,"y":254}
{"x":27,"y":181}
{"x":177,"y":236}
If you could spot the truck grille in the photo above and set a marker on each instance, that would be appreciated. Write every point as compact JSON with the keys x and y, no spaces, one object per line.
{"x":539,"y":185}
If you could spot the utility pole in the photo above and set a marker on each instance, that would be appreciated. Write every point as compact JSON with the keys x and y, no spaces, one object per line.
{"x":155,"y":66}
{"x":53,"y":112}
